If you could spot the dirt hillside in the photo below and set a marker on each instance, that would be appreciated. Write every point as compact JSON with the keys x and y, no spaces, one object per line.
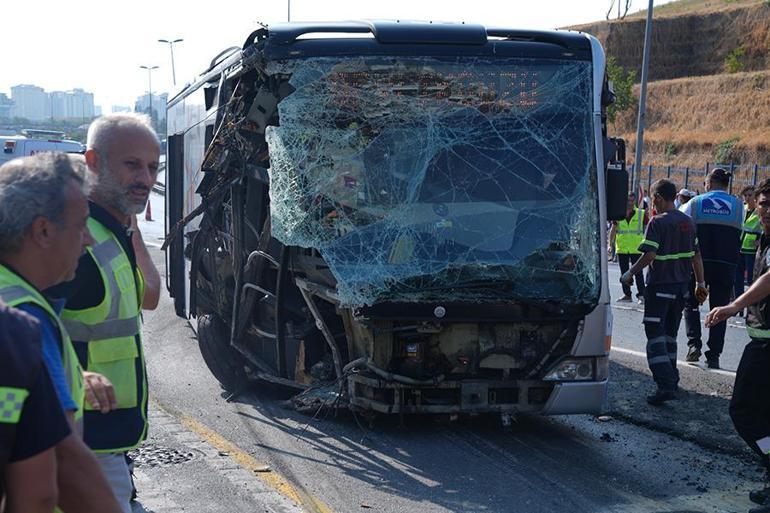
{"x":697,"y":111}
{"x":691,"y":44}
{"x":694,"y":120}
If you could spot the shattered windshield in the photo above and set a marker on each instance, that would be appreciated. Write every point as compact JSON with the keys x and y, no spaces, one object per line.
{"x":421,"y":179}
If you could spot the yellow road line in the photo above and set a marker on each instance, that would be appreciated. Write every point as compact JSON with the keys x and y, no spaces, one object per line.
{"x":247,"y":461}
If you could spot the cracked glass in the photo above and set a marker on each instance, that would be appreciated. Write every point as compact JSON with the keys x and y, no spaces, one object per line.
{"x":422,"y":179}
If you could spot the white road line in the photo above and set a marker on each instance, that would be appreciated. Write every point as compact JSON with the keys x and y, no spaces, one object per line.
{"x":730,"y":323}
{"x":723,"y":372}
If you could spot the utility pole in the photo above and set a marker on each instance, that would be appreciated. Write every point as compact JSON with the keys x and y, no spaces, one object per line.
{"x":149,"y":90}
{"x":288,"y":13}
{"x":171,"y":47}
{"x":643,"y":99}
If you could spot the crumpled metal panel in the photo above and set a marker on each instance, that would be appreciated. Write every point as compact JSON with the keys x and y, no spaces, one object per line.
{"x":420,"y":179}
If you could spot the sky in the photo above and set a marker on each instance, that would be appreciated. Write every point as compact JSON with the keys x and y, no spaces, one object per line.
{"x":99,"y":45}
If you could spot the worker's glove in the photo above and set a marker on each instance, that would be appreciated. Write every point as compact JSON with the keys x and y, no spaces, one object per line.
{"x":627,"y":278}
{"x":701,"y":293}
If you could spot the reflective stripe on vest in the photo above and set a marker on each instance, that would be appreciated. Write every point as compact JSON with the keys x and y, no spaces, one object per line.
{"x":15,"y":291}
{"x":112,"y":331}
{"x":630,"y":233}
{"x":757,"y":333}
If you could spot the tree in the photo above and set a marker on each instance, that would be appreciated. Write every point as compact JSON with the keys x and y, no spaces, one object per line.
{"x":623,"y":7}
{"x":623,"y":84}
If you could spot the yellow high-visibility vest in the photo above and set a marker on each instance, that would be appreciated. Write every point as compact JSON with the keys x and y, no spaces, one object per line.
{"x":112,"y":330}
{"x":630,"y":234}
{"x":15,"y":291}
{"x":752,"y":231}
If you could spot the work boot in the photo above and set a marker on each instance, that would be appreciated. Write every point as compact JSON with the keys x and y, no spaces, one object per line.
{"x":693,"y":354}
{"x":624,"y":299}
{"x":661,"y":396}
{"x":712,"y":362}
{"x":761,"y":497}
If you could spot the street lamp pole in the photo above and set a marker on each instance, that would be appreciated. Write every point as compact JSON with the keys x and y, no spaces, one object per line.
{"x":149,"y":91}
{"x":171,"y":47}
{"x":288,"y":10}
{"x":642,"y":100}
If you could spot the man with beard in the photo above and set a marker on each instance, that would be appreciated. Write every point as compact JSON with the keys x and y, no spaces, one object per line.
{"x":114,"y":281}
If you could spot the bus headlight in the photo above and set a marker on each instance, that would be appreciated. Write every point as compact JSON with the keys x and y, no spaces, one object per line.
{"x":579,"y":369}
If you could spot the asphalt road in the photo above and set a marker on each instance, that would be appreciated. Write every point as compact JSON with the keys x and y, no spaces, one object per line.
{"x":628,"y":332}
{"x":343,"y":464}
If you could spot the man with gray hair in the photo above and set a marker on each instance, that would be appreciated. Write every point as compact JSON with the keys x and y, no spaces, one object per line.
{"x":115,"y":280}
{"x":43,"y":233}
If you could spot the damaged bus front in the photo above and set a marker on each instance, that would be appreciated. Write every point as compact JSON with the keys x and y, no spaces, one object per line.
{"x":415,"y":214}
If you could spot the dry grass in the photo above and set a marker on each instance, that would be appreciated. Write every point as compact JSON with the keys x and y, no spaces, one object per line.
{"x":693,"y":116}
{"x":689,"y":118}
{"x":682,"y":7}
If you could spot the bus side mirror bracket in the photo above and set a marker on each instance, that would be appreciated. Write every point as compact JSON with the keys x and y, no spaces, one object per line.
{"x":616,"y":178}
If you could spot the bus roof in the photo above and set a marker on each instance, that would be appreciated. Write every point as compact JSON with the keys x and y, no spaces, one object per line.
{"x":396,"y":37}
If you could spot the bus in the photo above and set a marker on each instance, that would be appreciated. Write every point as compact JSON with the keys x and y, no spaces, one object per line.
{"x":410,"y":213}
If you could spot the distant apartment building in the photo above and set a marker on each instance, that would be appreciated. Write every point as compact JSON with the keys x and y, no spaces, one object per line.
{"x":30,"y":102}
{"x":120,"y":108}
{"x":33,"y":103}
{"x":58,"y":101}
{"x":80,"y":104}
{"x":6,"y":104}
{"x":159,"y":102}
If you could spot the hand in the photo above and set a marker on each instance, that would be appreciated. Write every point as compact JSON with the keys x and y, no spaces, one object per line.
{"x":720,"y":314}
{"x":701,"y":293}
{"x":100,"y":393}
{"x":627,"y":278}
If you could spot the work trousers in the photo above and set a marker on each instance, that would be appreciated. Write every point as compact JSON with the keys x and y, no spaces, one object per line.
{"x":744,"y":271}
{"x":625,"y":261}
{"x":662,"y":314}
{"x":692,"y":315}
{"x":750,"y":405}
{"x":116,"y":471}
{"x":720,"y":281}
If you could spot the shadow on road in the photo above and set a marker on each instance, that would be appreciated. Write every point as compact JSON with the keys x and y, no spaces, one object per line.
{"x":473,"y":464}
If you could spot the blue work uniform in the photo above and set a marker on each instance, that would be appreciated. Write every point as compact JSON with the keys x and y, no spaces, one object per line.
{"x":719,"y":218}
{"x":52,"y":355}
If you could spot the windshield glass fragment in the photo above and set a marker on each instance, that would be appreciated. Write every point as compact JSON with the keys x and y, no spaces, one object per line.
{"x":419,"y":179}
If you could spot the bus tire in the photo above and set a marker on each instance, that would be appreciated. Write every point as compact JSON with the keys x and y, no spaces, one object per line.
{"x":224,"y":362}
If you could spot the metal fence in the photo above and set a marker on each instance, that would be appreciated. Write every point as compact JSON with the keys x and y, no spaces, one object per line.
{"x":693,"y":177}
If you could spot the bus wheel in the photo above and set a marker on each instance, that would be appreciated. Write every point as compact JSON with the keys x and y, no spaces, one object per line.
{"x":224,"y":362}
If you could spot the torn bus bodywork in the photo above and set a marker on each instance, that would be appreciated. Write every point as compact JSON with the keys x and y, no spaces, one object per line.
{"x":416,"y":216}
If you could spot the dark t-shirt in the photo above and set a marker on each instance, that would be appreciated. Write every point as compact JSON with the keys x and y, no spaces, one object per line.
{"x":759,"y":313}
{"x":86,"y":290}
{"x":672,"y":236}
{"x":40,"y":424}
